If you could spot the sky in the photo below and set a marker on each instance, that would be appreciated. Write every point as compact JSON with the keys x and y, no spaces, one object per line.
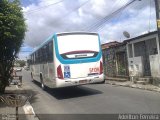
{"x":45,"y":17}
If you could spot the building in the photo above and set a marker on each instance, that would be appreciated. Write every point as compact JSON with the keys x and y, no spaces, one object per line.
{"x":138,"y":58}
{"x":107,"y":45}
{"x":143,"y":54}
{"x":115,"y":59}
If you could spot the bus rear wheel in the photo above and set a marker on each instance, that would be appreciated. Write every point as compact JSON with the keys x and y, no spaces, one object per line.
{"x":42,"y":83}
{"x":32,"y":76}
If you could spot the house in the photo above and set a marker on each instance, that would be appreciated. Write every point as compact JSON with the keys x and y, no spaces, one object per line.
{"x":107,"y":45}
{"x":143,"y":54}
{"x":138,"y":58}
{"x":115,"y":59}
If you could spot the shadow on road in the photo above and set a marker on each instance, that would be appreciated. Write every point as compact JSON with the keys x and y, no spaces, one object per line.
{"x":70,"y":92}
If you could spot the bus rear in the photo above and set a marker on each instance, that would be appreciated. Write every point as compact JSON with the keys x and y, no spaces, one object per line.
{"x":78,"y":59}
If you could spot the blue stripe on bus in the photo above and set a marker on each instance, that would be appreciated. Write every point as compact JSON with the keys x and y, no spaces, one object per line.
{"x":76,"y":61}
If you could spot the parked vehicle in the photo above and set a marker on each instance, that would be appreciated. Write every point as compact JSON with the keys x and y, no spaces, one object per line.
{"x":18,"y":69}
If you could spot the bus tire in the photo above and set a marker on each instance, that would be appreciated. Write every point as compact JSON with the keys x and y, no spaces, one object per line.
{"x":42,"y":83}
{"x":103,"y":82}
{"x":32,"y":76}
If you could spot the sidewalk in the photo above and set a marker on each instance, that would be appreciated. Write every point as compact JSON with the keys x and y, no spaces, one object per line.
{"x":133,"y":85}
{"x":8,"y":113}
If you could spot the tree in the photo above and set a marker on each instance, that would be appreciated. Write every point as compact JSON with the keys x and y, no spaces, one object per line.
{"x":20,"y":62}
{"x":12,"y":32}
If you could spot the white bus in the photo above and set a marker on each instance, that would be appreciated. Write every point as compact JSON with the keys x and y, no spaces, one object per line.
{"x":68,"y":59}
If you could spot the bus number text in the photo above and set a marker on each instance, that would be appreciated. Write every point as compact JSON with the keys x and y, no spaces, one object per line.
{"x":94,"y":70}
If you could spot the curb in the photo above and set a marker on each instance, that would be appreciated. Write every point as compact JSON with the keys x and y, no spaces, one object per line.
{"x":134,"y":86}
{"x":28,"y":109}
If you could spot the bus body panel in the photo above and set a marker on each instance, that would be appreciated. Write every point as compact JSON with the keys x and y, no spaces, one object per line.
{"x":46,"y":69}
{"x":77,"y":81}
{"x":80,"y":70}
{"x":48,"y":74}
{"x":35,"y":69}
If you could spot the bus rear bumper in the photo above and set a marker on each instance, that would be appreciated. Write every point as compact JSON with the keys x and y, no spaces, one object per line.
{"x":79,"y":81}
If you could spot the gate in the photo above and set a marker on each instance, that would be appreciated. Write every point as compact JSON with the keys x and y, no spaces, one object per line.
{"x":141,"y":49}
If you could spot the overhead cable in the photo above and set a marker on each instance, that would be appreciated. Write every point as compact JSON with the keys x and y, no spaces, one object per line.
{"x":108,"y":17}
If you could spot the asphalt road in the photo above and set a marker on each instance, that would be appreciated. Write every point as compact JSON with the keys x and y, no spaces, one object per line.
{"x":91,"y":99}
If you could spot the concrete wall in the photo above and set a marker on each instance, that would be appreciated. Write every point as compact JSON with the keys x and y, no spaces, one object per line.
{"x":135,"y":66}
{"x":155,"y":65}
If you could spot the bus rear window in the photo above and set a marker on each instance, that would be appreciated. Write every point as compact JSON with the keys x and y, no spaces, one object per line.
{"x":78,"y":46}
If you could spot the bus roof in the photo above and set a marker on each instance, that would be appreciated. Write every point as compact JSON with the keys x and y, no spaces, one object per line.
{"x":60,"y":34}
{"x":67,"y":33}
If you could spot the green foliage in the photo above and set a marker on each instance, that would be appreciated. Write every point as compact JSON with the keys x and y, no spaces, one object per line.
{"x":12,"y":32}
{"x":21,"y":63}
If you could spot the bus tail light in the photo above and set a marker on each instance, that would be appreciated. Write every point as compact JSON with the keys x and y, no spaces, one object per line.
{"x":59,"y":72}
{"x":101,"y":67}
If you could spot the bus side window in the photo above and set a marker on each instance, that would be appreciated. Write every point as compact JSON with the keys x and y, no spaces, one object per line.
{"x":43,"y":54}
{"x":50,"y":51}
{"x":31,"y":59}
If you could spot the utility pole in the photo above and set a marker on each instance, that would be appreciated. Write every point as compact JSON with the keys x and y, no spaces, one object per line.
{"x":157,"y":7}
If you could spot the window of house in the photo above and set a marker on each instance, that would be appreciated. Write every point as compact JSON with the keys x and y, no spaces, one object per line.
{"x":139,"y":49}
{"x":152,"y":46}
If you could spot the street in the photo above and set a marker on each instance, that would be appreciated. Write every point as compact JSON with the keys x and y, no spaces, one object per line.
{"x":74,"y":46}
{"x":91,"y":99}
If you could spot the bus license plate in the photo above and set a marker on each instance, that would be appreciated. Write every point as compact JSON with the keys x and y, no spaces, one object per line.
{"x":83,"y":81}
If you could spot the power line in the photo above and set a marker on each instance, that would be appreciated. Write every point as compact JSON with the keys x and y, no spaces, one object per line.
{"x":99,"y":19}
{"x":71,"y":11}
{"x":45,"y":6}
{"x":75,"y":9}
{"x":62,"y":18}
{"x":108,"y":17}
{"x":121,"y":13}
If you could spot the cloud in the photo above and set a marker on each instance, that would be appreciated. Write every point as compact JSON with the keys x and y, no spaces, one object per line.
{"x":65,"y":17}
{"x":137,"y":20}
